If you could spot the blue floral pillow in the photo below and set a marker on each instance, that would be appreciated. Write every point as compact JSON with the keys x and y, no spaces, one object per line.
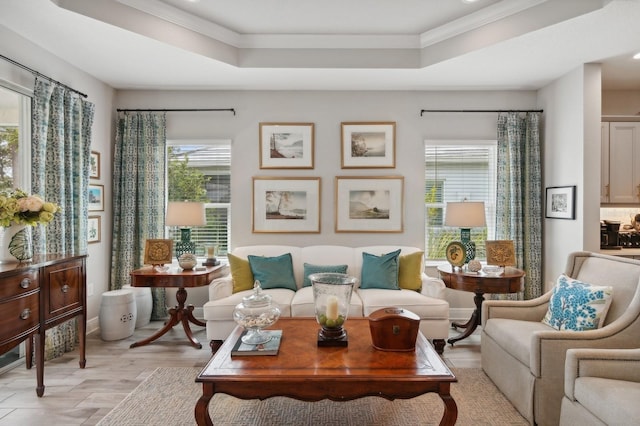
{"x":577,"y":306}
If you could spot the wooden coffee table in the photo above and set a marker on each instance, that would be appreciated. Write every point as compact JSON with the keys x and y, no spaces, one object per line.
{"x":303,"y":371}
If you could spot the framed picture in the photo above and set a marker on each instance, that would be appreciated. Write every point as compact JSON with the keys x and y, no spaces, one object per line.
{"x":500,"y":252}
{"x":369,"y":204}
{"x":368,"y":145}
{"x":282,"y":204}
{"x":560,"y":202}
{"x":94,"y":165}
{"x":96,"y":198}
{"x":94,"y":229}
{"x":158,"y":252}
{"x":286,"y":145}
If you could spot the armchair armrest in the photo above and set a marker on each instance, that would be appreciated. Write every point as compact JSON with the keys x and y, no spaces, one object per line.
{"x":524,"y":310}
{"x":433,"y":287}
{"x":221,"y":287}
{"x":617,"y":364}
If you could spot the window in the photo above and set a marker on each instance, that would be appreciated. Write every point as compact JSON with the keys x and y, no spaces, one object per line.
{"x":15,"y":134}
{"x":201,"y":171}
{"x":15,"y":170}
{"x":458,"y":171}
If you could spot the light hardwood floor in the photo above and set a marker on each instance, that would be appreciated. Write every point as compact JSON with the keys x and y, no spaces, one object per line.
{"x":75,"y":396}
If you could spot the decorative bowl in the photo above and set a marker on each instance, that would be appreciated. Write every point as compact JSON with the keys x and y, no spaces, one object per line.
{"x":187,"y":261}
{"x":493,"y":270}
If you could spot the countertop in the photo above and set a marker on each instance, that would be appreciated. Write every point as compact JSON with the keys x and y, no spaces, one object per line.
{"x":622,"y":252}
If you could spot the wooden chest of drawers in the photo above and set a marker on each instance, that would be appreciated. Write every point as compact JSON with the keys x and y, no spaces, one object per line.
{"x":37,"y":296}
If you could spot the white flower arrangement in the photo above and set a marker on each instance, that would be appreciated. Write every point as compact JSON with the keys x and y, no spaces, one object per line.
{"x":19,"y":208}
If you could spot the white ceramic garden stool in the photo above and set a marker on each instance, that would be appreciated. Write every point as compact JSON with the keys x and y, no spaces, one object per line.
{"x":117,"y":314}
{"x":144,"y":304}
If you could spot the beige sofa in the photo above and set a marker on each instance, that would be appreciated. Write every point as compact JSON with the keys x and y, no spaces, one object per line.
{"x":525,"y":358}
{"x":429,"y":304}
{"x":601,"y":387}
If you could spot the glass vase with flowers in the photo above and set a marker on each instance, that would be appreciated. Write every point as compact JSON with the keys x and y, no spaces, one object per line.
{"x":18,"y":212}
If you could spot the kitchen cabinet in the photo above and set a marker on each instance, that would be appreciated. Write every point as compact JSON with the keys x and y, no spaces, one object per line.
{"x":37,"y":296}
{"x":621,"y":176}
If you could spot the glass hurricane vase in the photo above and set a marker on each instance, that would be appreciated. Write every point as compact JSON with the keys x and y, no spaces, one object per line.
{"x":332,"y":296}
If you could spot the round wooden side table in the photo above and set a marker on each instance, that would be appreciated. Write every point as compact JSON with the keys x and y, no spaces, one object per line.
{"x":511,"y":281}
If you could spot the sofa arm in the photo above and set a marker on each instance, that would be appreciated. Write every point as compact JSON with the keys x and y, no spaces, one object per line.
{"x":617,"y":364}
{"x":523,"y":310}
{"x":221,"y":287}
{"x":433,"y":287}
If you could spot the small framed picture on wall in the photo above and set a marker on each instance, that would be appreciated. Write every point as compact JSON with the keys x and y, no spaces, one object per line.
{"x":561,"y":202}
{"x":369,"y":145}
{"x":96,"y":198}
{"x":286,"y":145}
{"x":93,"y":230}
{"x":94,"y":165}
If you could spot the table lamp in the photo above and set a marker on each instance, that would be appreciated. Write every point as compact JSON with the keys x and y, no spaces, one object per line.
{"x":185,"y":214}
{"x":466,"y":215}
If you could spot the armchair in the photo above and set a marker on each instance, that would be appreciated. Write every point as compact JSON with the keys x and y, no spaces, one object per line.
{"x":525,"y":358}
{"x":601,"y":387}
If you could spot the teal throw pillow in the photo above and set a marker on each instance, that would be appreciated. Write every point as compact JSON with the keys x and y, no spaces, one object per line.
{"x":577,"y":306}
{"x":380,"y":271}
{"x":273,"y":272}
{"x":317,"y":269}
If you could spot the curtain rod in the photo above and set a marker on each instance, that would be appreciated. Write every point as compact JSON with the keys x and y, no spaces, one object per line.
{"x":422,"y":111}
{"x":37,"y":74}
{"x":179,"y":110}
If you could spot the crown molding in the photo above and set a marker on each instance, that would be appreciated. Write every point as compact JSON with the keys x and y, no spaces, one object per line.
{"x":189,"y":21}
{"x":488,"y":15}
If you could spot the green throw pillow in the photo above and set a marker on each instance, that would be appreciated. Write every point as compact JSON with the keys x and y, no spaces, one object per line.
{"x":577,"y":306}
{"x":410,"y":275}
{"x":316,"y":269}
{"x":380,"y":271}
{"x":273,"y":272}
{"x":241,"y":273}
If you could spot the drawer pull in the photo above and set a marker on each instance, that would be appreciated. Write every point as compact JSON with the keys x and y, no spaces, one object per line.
{"x":25,"y":283}
{"x":65,"y":288}
{"x":25,"y":314}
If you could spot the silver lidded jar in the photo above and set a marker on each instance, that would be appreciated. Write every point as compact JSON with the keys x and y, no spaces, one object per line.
{"x":255,"y":312}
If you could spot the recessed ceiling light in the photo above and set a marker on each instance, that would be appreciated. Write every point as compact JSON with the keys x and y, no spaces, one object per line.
{"x":636,"y":56}
{"x":469,"y":1}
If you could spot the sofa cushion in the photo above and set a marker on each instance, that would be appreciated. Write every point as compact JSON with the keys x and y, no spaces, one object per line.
{"x":303,"y":304}
{"x":241,"y":273}
{"x":421,"y":305}
{"x":380,"y":271}
{"x":615,"y":402}
{"x":514,"y":336}
{"x":410,"y":272}
{"x":577,"y":306}
{"x":222,"y":309}
{"x":315,"y":269}
{"x":273,"y":272}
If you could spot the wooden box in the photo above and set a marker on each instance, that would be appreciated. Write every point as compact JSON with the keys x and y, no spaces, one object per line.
{"x":394,"y":329}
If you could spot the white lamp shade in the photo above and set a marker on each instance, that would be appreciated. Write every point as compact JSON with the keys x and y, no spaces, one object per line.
{"x":185,"y":213}
{"x":466,"y":214}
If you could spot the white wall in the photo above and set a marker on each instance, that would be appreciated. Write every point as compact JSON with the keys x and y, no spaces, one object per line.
{"x":26,"y":53}
{"x":327,"y":110}
{"x":571,"y":157}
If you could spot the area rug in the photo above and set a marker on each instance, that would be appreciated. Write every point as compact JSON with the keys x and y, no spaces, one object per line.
{"x":168,"y":397}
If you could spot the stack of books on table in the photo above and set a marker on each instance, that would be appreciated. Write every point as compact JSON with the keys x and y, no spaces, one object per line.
{"x":269,"y":348}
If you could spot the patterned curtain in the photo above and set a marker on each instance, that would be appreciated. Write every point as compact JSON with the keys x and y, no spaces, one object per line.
{"x":139,"y":180}
{"x":519,"y":194}
{"x":61,"y":147}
